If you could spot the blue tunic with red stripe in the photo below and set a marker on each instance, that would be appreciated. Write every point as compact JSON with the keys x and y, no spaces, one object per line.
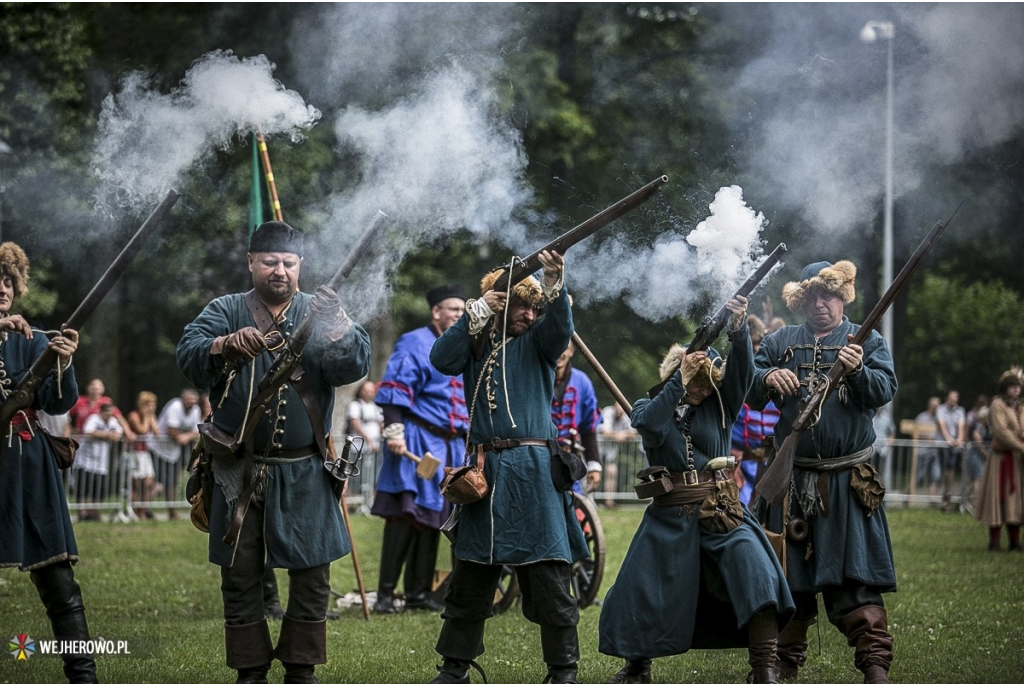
{"x":425,"y":396}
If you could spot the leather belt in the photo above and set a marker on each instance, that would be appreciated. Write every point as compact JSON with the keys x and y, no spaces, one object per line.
{"x":685,"y":478}
{"x":288,"y":455}
{"x":499,"y":445}
{"x":436,"y":430}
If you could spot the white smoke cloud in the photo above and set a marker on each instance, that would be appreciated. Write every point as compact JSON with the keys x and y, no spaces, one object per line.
{"x":437,"y":161}
{"x":678,"y":270}
{"x":147,"y":139}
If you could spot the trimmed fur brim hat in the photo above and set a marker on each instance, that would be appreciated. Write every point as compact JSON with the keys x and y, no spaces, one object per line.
{"x":276,"y":236}
{"x":14,"y":263}
{"x":443,"y":292}
{"x":714,"y":368}
{"x":1014,"y":376}
{"x":838,"y":279}
{"x":527,"y":290}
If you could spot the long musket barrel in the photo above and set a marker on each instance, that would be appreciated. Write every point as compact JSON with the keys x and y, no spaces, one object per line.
{"x":282,"y":368}
{"x":775,"y":480}
{"x":711,"y":327}
{"x":23,"y":393}
{"x":530,"y":264}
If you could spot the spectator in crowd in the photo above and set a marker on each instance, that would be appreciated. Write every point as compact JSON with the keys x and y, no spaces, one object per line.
{"x":92,"y":463}
{"x":1001,"y":500}
{"x":179,"y":421}
{"x":885,"y":434}
{"x":978,"y":435}
{"x":143,"y":421}
{"x":752,"y":427}
{"x":90,"y":403}
{"x":929,"y":472}
{"x":951,"y":420}
{"x":615,"y":431}
{"x":365,"y":418}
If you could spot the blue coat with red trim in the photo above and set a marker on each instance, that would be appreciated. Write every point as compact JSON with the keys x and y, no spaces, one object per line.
{"x":578,"y":407}
{"x":425,"y":394}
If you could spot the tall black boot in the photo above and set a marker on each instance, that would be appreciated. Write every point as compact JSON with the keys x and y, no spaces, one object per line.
{"x":271,"y":600}
{"x":394,"y":549}
{"x":301,"y":646}
{"x":419,"y":571}
{"x":460,"y":642}
{"x":62,"y":597}
{"x":249,"y":650}
{"x":635,"y":671}
{"x":561,"y":648}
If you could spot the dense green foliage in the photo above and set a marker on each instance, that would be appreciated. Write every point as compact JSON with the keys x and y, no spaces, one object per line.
{"x":605,"y":96}
{"x":954,"y":619}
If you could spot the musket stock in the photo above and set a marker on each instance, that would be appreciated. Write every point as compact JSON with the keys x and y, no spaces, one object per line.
{"x":774,"y":481}
{"x":22,"y":395}
{"x":522,"y":269}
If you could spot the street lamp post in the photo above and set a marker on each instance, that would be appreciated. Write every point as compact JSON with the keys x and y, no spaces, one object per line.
{"x":872,"y":31}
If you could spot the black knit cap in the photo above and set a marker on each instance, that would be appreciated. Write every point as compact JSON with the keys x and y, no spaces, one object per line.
{"x":443,"y":292}
{"x":276,"y":236}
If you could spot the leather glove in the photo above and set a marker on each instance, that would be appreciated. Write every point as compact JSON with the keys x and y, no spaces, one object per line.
{"x":244,"y":343}
{"x":326,"y":307}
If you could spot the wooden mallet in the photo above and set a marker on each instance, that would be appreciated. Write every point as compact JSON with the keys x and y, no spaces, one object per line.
{"x":426,"y":466}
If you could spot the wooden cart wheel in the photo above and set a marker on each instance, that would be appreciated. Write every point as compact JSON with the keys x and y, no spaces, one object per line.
{"x":587,"y":574}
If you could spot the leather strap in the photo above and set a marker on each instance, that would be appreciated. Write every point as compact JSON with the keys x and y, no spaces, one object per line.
{"x":499,"y":445}
{"x":434,"y":430}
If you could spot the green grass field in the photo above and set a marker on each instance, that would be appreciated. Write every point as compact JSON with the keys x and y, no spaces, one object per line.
{"x":958,"y":616}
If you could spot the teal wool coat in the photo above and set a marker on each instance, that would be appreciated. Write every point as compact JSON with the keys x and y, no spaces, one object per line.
{"x":847,"y":544}
{"x":304,"y":527}
{"x":681,"y":587}
{"x":523,"y":519}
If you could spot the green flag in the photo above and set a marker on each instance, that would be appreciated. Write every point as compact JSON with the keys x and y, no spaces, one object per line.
{"x":258,"y":190}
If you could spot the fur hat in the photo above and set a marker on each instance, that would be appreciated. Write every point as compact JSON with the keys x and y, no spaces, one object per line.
{"x":1014,"y":376}
{"x":713,"y":370}
{"x":527,"y":290}
{"x":837,"y":279}
{"x":276,"y":236}
{"x":14,"y":263}
{"x":443,"y":292}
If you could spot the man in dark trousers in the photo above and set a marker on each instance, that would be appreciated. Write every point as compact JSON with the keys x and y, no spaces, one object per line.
{"x":524,"y":520}
{"x":846,"y":554}
{"x":424,"y":412}
{"x":273,"y":503}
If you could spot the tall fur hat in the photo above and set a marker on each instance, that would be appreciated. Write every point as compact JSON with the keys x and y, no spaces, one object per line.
{"x":837,"y":279}
{"x":713,"y":370}
{"x":1014,"y":376}
{"x":527,"y":290}
{"x":14,"y":263}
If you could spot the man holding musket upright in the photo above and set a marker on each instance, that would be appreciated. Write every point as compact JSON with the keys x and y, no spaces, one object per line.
{"x":838,"y":543}
{"x":524,"y":520}
{"x":424,"y":411}
{"x":289,"y":513}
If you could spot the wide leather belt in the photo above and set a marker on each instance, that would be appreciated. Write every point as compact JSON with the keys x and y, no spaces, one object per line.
{"x":499,"y":445}
{"x":436,"y":430}
{"x":279,"y":456}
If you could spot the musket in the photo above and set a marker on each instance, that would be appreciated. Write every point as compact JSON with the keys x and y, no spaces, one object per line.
{"x":774,"y":481}
{"x":523,"y":268}
{"x":287,"y":362}
{"x":712,"y":326}
{"x":25,"y":391}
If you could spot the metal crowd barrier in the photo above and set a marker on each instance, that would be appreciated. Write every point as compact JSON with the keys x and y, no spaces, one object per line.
{"x":913,"y":471}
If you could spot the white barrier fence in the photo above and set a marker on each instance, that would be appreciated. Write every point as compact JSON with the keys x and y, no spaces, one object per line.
{"x":116,"y":484}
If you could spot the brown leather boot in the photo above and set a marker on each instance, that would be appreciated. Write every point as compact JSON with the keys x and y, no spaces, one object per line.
{"x":762,"y":637}
{"x":866,"y":629}
{"x":791,"y":651}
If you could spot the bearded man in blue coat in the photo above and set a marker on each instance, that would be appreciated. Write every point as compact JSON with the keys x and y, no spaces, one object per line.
{"x":279,"y":492}
{"x":424,"y":412}
{"x":839,"y":542}
{"x":524,"y":520}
